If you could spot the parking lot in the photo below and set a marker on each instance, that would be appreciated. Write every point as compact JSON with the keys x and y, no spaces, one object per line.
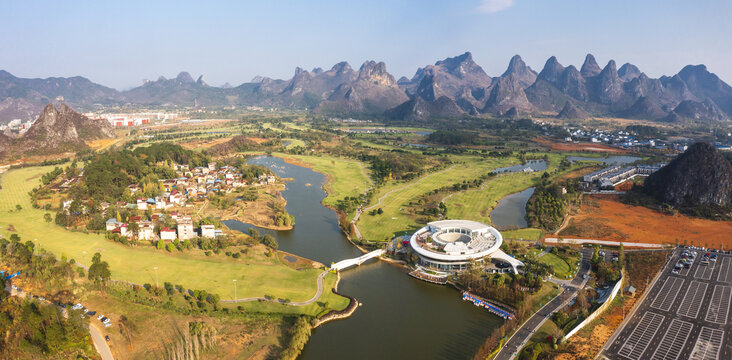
{"x":685,"y":315}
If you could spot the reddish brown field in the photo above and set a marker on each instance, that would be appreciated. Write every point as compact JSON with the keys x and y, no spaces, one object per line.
{"x":561,"y":146}
{"x":603,"y":217}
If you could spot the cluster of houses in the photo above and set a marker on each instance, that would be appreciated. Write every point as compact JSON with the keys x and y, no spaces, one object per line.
{"x":146,"y":230}
{"x":195,"y":184}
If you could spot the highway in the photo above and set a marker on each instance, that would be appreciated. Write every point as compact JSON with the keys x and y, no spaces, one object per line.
{"x":519,"y":338}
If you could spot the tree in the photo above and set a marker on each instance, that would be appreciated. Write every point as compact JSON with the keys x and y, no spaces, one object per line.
{"x":253,"y":233}
{"x":160,"y":245}
{"x":380,"y":211}
{"x":47,"y":217}
{"x":18,"y":207}
{"x":99,"y":270}
{"x":133,"y":227}
{"x":270,"y":241}
{"x":170,"y":247}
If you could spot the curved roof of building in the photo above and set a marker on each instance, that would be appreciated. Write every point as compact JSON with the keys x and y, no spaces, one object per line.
{"x":463,"y":224}
{"x":471,"y":253}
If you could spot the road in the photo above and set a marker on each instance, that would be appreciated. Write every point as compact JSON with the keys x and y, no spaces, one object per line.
{"x":315,"y":298}
{"x":522,"y":335}
{"x":99,"y":343}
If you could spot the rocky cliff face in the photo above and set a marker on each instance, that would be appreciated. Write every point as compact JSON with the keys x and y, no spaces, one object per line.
{"x":453,"y":75}
{"x":701,"y":176}
{"x":373,"y":92}
{"x":59,"y":130}
{"x":419,"y":109}
{"x":570,"y":111}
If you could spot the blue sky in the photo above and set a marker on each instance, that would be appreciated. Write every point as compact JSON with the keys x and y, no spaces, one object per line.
{"x":120,"y":43}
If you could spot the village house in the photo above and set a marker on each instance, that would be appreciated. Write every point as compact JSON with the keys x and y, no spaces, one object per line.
{"x":146,"y":230}
{"x":185,"y":228}
{"x":141,"y":204}
{"x":112,"y":224}
{"x":208,"y":231}
{"x":167,"y":234}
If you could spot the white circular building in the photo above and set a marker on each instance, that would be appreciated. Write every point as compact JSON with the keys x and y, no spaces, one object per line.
{"x":450,"y":245}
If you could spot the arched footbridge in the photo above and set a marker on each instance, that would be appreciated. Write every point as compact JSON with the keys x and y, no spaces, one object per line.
{"x":344,"y":264}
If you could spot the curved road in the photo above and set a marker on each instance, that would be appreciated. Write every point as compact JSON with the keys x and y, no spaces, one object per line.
{"x":527,"y":329}
{"x":315,"y":298}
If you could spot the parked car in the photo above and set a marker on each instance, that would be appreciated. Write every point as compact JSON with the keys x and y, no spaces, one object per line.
{"x":91,"y":313}
{"x":100,"y":317}
{"x":106,"y":337}
{"x":108,"y":324}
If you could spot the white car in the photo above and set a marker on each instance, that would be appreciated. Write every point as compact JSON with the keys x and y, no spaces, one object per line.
{"x":77,"y":306}
{"x":100,"y":317}
{"x":107,"y":324}
{"x":107,"y":321}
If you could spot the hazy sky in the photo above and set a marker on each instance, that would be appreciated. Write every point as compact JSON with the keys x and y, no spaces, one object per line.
{"x":120,"y":43}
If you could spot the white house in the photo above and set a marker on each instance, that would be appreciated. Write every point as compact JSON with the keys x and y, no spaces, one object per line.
{"x":123,"y":229}
{"x":185,"y":228}
{"x":167,"y":234}
{"x":146,"y":230}
{"x":141,"y":204}
{"x":111,"y":224}
{"x":208,"y":231}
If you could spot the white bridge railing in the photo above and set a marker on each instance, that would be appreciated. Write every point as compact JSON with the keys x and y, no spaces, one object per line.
{"x":344,"y":264}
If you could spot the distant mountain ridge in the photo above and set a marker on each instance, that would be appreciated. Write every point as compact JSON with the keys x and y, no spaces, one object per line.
{"x":694,"y":95}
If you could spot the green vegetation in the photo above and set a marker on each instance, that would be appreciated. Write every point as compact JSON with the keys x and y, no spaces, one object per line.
{"x":346,"y":178}
{"x":192,"y":269}
{"x":523,"y":234}
{"x":396,"y":195}
{"x":34,"y":330}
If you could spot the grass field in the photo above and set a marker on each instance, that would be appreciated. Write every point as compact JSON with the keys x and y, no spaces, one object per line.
{"x":396,"y":195}
{"x":345,"y":177}
{"x":257,"y":274}
{"x":294,"y":143}
{"x":477,"y":204}
{"x":560,"y":267}
{"x":523,"y":234}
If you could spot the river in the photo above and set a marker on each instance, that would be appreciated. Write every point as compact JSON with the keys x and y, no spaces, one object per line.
{"x":401,"y":317}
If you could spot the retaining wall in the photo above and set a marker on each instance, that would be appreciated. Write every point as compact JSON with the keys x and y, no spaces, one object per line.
{"x":599,"y":310}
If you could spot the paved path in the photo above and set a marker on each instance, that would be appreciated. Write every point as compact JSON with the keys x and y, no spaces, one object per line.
{"x":522,"y":335}
{"x":553,"y":240}
{"x":99,"y":343}
{"x":359,"y":211}
{"x":315,"y":298}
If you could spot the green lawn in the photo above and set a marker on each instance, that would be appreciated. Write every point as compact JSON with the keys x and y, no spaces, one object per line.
{"x":477,"y":204}
{"x":257,"y":274}
{"x":523,"y":234}
{"x":395,"y":220}
{"x":561,"y":268}
{"x":294,"y":143}
{"x":345,"y":177}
